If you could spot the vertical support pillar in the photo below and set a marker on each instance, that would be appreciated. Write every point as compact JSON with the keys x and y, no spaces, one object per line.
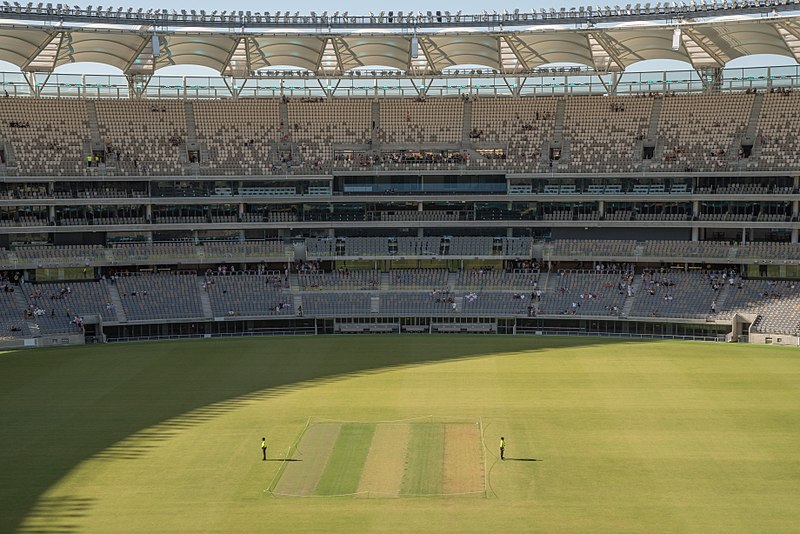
{"x":744,"y":236}
{"x":148,"y":212}
{"x":695,"y":233}
{"x":601,"y":208}
{"x":711,"y":78}
{"x":795,"y":235}
{"x":52,"y":213}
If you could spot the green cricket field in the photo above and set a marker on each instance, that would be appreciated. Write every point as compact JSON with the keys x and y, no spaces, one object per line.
{"x":401,"y":434}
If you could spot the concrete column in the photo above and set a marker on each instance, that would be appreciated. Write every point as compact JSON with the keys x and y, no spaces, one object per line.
{"x":695,"y":234}
{"x":795,"y":208}
{"x":51,"y":213}
{"x":601,"y":208}
{"x":241,"y":210}
{"x":744,"y":236}
{"x":794,"y":235}
{"x":695,"y":208}
{"x":148,"y":212}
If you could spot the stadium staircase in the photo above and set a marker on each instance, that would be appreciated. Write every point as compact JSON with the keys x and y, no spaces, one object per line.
{"x":113,"y":292}
{"x":459,"y":302}
{"x":10,"y":159}
{"x":283,"y":109}
{"x":627,"y":305}
{"x":205,"y":302}
{"x":466,"y":123}
{"x":537,"y":250}
{"x":723,"y":295}
{"x":297,"y":301}
{"x":651,"y":136}
{"x":374,"y":304}
{"x":558,"y":140}
{"x":452,"y":280}
{"x":544,"y":280}
{"x":192,"y":145}
{"x":94,"y":127}
{"x":384,"y":281}
{"x":376,"y":121}
{"x":750,"y":135}
{"x":22,"y":304}
{"x":294,"y":282}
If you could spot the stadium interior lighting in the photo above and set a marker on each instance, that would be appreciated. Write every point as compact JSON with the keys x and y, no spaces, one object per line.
{"x":40,"y":12}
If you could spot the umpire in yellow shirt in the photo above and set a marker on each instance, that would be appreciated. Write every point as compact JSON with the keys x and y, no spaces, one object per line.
{"x":264,"y":449}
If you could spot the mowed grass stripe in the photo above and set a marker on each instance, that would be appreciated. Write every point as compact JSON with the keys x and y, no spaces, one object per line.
{"x":463,"y":461}
{"x":344,"y":468}
{"x":424,"y":463}
{"x":313,"y":454}
{"x":385,"y":465}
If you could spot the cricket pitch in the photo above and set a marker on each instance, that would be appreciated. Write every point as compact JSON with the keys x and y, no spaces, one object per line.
{"x":414,"y":458}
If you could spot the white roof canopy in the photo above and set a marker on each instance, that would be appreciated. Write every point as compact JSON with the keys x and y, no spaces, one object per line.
{"x":706,"y":44}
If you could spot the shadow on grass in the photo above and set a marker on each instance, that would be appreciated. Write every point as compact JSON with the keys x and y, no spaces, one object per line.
{"x":57,"y":514}
{"x":523,"y":460}
{"x":64,"y":406}
{"x":282,"y":460}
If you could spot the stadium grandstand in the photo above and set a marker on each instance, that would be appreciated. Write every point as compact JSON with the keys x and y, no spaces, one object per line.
{"x":400,"y":172}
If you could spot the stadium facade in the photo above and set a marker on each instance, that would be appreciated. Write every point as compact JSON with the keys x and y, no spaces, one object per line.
{"x":400,"y":173}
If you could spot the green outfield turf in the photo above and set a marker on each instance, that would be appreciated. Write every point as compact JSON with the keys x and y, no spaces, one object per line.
{"x":602,"y":436}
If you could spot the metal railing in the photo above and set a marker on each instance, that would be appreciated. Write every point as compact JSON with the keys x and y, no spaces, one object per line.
{"x":480,"y":82}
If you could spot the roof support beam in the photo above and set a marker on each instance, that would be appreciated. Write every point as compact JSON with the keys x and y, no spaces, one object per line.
{"x":694,"y":44}
{"x":513,"y":47}
{"x":227,"y":66}
{"x":135,"y":56}
{"x":235,"y":85}
{"x":38,"y":51}
{"x":137,"y":84}
{"x":791,"y":36}
{"x":516,"y":86}
{"x":36,"y":62}
{"x":327,"y":88}
{"x":435,"y":55}
{"x":608,"y":49}
{"x":711,"y":78}
{"x":422,"y":88}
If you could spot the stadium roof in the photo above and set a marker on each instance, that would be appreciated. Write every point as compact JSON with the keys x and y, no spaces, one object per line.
{"x":241,"y":52}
